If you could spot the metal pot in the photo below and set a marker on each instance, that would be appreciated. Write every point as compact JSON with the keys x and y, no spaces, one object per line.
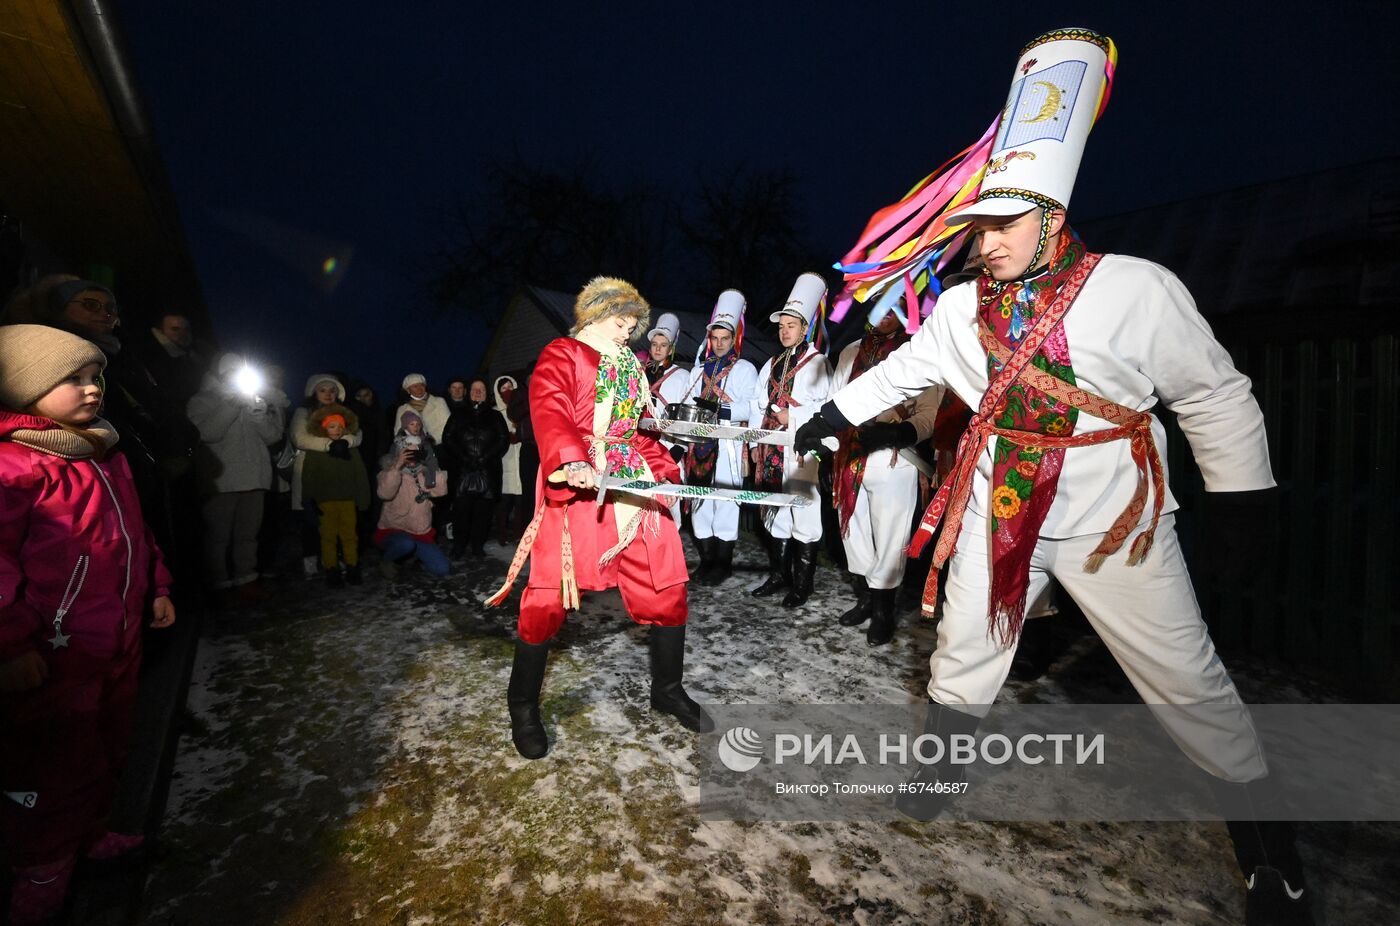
{"x":678,"y":411}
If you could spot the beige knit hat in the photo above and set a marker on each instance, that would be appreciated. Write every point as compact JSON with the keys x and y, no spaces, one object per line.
{"x":35,"y":358}
{"x":605,"y":297}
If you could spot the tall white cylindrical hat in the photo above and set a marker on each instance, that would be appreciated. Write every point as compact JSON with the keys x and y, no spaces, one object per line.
{"x":1057,"y":90}
{"x":669,"y":325}
{"x":728,"y":311}
{"x":804,"y":300}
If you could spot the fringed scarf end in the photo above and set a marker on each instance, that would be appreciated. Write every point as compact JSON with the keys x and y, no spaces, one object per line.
{"x":1140,"y":548}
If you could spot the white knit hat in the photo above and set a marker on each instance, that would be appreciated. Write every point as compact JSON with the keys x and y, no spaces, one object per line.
{"x":414,"y":379}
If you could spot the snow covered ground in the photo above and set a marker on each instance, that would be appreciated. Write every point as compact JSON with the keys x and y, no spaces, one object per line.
{"x":349,"y":760}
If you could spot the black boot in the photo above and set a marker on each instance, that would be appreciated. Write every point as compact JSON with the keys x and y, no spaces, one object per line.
{"x":333,"y":577}
{"x":1267,"y":855}
{"x":921,"y":801}
{"x":667,"y":666}
{"x":353,"y":575}
{"x":881,"y":629}
{"x":804,"y":574}
{"x":523,"y":699}
{"x":723,"y":563}
{"x":780,"y":554}
{"x":706,"y":546}
{"x":860,"y":611}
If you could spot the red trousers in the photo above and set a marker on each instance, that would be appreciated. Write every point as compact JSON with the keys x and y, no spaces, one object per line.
{"x":61,"y":748}
{"x":542,"y":609}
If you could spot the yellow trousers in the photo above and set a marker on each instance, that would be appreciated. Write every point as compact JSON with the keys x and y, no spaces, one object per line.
{"x":338,"y":523}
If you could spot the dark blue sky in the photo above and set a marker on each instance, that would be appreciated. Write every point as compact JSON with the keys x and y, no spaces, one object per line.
{"x":294,"y":128}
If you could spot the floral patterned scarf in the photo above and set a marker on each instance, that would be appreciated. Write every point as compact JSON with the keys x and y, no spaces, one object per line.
{"x":620,"y":401}
{"x":1024,"y":476}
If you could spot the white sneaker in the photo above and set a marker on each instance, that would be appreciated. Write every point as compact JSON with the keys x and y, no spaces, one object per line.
{"x":310,"y":565}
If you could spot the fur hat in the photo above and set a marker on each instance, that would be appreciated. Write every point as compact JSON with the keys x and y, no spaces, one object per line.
{"x":413,"y":379}
{"x":605,"y":297}
{"x":35,"y":358}
{"x":316,"y":423}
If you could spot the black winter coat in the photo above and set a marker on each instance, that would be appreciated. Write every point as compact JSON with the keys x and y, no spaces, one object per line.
{"x":473,"y":443}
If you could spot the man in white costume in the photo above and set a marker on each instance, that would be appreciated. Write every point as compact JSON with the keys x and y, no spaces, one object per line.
{"x":1062,"y":353}
{"x":791,"y":389}
{"x":667,"y":382}
{"x":724,"y":382}
{"x":874,"y":488}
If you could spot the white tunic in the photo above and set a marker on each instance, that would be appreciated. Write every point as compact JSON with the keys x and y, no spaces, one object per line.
{"x":811,"y":387}
{"x":1134,"y":336}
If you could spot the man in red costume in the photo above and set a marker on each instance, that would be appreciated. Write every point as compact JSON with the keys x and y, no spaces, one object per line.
{"x":586,"y":395}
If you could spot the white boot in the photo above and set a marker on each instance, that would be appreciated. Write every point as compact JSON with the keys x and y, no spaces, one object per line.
{"x":310,"y":565}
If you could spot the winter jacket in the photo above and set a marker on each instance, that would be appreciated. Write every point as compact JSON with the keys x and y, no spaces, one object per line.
{"x":73,"y":545}
{"x":434,"y":414}
{"x":304,"y":440}
{"x":236,"y":432}
{"x":329,"y":478}
{"x":472,"y":445}
{"x":400,"y":489}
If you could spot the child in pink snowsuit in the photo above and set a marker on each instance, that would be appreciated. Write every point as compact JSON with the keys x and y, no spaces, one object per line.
{"x":78,"y":572}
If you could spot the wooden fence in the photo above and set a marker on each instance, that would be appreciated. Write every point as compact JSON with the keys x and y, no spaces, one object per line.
{"x":1323,"y":598}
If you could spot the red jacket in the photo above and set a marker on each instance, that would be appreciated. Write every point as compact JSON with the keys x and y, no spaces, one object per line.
{"x":562,"y":395}
{"x":71,"y":535}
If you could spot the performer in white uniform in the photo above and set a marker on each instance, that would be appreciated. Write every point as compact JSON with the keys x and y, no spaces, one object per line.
{"x":874,"y":488}
{"x":1062,"y":353}
{"x":725,"y":382}
{"x":667,"y":383}
{"x":791,"y":388}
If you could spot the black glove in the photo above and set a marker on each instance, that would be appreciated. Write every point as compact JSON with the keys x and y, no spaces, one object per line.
{"x":884,"y":434}
{"x":678,"y":453}
{"x":708,"y":404}
{"x":810,"y":436}
{"x":1238,"y":533}
{"x":340,"y":449}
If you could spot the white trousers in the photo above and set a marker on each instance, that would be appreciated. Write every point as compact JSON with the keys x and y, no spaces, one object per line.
{"x":720,"y":519}
{"x":801,"y":524}
{"x":880,"y":524}
{"x":1147,"y":616}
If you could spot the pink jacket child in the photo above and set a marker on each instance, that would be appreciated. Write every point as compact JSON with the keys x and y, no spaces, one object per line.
{"x":78,"y":572}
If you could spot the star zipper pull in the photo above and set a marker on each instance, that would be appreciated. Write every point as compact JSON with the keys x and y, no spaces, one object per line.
{"x":59,"y":639}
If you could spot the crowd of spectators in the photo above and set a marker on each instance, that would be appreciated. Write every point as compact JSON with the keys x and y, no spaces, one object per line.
{"x":162,"y":467}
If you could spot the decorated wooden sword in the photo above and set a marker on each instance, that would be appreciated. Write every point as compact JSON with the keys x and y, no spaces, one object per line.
{"x":647,"y":487}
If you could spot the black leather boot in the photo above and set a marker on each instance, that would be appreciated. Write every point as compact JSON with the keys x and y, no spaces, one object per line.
{"x":723,"y":566}
{"x":706,"y":546}
{"x":922,"y":801}
{"x":860,"y":611}
{"x":523,"y":699}
{"x":881,"y":629}
{"x":667,"y":666}
{"x":1267,"y":854}
{"x":779,"y":566}
{"x":804,"y":573}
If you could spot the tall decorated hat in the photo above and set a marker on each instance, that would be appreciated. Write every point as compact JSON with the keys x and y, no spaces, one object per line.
{"x":668,"y":325}
{"x":1029,"y":156}
{"x":727,"y":313}
{"x":1057,"y":90}
{"x":807,"y":301}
